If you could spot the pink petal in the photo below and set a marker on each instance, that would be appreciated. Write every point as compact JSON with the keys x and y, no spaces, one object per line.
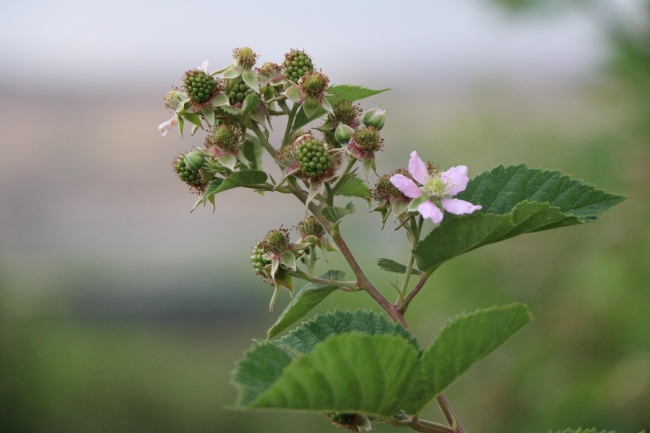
{"x":458,"y":207}
{"x":456,"y":179}
{"x":417,"y":168}
{"x":406,"y":186}
{"x":166,"y":126}
{"x":430,"y":210}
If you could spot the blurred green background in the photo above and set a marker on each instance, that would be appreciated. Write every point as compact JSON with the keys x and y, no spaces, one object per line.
{"x":120,"y":311}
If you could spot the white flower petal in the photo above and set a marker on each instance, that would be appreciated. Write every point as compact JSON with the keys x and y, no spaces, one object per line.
{"x":458,"y":207}
{"x":406,"y":186}
{"x":429,"y":210}
{"x":455,"y":179}
{"x":204,"y":66}
{"x":166,"y":126}
{"x":418,"y":168}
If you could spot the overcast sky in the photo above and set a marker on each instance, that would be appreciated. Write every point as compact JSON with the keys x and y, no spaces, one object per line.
{"x":96,"y":46}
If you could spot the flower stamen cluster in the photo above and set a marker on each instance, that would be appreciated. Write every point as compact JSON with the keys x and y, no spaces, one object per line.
{"x":368,"y":139}
{"x":347,"y":113}
{"x":245,"y":57}
{"x":310,"y":227}
{"x":276,"y":241}
{"x":314,"y":84}
{"x":225,"y":137}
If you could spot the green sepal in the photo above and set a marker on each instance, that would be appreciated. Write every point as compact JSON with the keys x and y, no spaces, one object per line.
{"x":228,"y":160}
{"x":325,"y":103}
{"x":208,"y":115}
{"x":181,"y":124}
{"x":413,"y":205}
{"x":250,"y":103}
{"x":288,"y":259}
{"x":310,"y":106}
{"x":250,"y":78}
{"x":207,"y":174}
{"x":293,"y":93}
{"x":369,"y":164}
{"x":220,"y":100}
{"x":231,"y":72}
{"x":194,"y":129}
{"x":193,"y":118}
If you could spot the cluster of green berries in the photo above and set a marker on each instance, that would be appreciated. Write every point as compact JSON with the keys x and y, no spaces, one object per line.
{"x":199,"y":86}
{"x":296,"y":64}
{"x":190,"y":177}
{"x":257,"y":258}
{"x":314,"y":84}
{"x":313,"y":157}
{"x":237,"y":91}
{"x":276,"y":241}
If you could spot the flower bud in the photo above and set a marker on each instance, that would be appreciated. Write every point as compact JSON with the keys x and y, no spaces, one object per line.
{"x":375,"y":117}
{"x":200,"y":86}
{"x":343,"y":133}
{"x":368,"y":139}
{"x":296,"y":64}
{"x":245,"y":58}
{"x":314,"y":84}
{"x":310,"y":227}
{"x":276,"y":241}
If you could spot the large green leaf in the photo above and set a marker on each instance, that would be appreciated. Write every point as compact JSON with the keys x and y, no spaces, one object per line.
{"x":591,"y":430}
{"x":465,"y":340}
{"x":238,"y":178}
{"x":261,"y":367}
{"x":342,"y":91}
{"x":392,"y":266}
{"x":371,"y":374}
{"x":308,"y":297}
{"x":515,"y":200}
{"x":309,"y":334}
{"x":334,"y":214}
{"x":352,"y":186}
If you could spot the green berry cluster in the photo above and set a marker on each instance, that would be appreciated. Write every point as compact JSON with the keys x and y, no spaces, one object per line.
{"x":199,"y":85}
{"x":237,"y":91}
{"x":313,"y":157}
{"x":367,"y":139}
{"x":257,"y":259}
{"x":296,"y":64}
{"x":190,"y":177}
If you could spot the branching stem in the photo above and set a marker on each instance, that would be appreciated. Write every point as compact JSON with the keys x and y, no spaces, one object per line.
{"x":289,"y":130}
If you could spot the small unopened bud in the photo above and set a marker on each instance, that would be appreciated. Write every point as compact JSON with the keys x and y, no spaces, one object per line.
{"x":314,"y":84}
{"x":343,"y":133}
{"x":296,"y":64}
{"x":368,"y":139}
{"x":310,"y":227}
{"x":194,"y":160}
{"x":375,"y":117}
{"x":276,"y":241}
{"x":245,"y":58}
{"x":224,"y":137}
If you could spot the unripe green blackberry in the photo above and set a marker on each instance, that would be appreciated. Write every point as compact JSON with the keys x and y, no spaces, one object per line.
{"x":368,"y":140}
{"x":296,"y":64}
{"x":276,"y":241}
{"x":244,"y":57}
{"x":237,"y":90}
{"x":200,"y":86}
{"x":186,"y":174}
{"x":224,"y":137}
{"x":257,"y":258}
{"x":314,"y":84}
{"x":346,"y":112}
{"x":310,"y":227}
{"x":313,"y":157}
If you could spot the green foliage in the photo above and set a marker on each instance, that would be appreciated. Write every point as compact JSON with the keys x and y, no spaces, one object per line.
{"x":261,"y":368}
{"x":334,"y":214}
{"x":515,"y":200}
{"x":309,"y":296}
{"x":352,"y":186}
{"x":359,"y":373}
{"x":392,"y":266}
{"x":238,"y":178}
{"x":591,"y":430}
{"x":309,"y":334}
{"x":253,"y":152}
{"x":465,"y":340}
{"x":343,"y":91}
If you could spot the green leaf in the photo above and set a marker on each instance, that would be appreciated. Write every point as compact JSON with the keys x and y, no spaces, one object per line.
{"x":376,"y":375}
{"x":591,"y":430}
{"x":516,"y":200}
{"x":238,"y":178}
{"x":502,"y":188}
{"x":465,"y":340}
{"x":250,"y":102}
{"x":334,"y":214}
{"x":309,"y":334}
{"x":309,"y":296}
{"x":392,"y":266}
{"x":342,"y":91}
{"x":256,"y":373}
{"x":352,"y":186}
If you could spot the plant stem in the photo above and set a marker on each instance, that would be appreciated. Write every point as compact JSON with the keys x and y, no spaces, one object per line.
{"x":312,"y":260}
{"x":269,"y":148}
{"x":330,"y":194}
{"x":451,"y":417}
{"x":289,"y":130}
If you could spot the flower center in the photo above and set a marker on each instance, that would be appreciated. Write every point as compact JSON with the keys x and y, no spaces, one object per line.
{"x":435,"y":186}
